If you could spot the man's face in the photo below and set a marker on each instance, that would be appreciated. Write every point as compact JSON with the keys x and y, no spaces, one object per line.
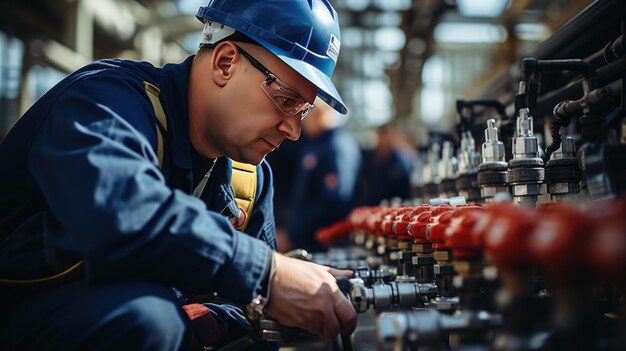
{"x":236,"y":117}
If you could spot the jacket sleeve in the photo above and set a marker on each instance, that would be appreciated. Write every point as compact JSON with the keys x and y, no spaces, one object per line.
{"x":93,"y":159}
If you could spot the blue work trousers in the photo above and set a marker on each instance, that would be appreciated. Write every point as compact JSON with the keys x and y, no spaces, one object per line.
{"x":84,"y":316}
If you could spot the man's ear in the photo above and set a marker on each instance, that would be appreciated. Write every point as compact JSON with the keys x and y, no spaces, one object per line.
{"x":222,"y":61}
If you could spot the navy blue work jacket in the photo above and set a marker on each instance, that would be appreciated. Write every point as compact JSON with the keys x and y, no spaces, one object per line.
{"x":81,"y":180}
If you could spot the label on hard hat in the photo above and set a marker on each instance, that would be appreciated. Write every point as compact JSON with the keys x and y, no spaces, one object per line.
{"x":212,"y":32}
{"x":333,"y":48}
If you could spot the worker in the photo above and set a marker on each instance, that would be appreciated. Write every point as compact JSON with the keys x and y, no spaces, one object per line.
{"x":116,"y":186}
{"x":284,"y":161}
{"x":387,"y":168}
{"x":325,"y":183}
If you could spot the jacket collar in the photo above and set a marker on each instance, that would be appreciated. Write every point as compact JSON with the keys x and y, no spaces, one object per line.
{"x":220,"y":195}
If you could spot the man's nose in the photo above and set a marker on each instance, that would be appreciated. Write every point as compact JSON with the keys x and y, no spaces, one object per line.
{"x":291,"y":126}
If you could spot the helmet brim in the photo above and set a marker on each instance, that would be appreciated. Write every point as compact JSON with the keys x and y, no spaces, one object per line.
{"x":325,"y":88}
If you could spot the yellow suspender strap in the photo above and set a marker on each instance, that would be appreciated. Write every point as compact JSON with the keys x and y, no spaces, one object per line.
{"x":153,"y":94}
{"x":74,"y":270}
{"x":244,"y":183}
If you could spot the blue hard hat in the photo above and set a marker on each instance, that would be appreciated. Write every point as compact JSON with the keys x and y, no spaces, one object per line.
{"x":302,"y":33}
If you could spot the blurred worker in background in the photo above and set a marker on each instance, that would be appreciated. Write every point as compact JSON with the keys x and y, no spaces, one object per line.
{"x":325,"y":181}
{"x":388,"y":166}
{"x":284,"y":162}
{"x":116,"y":186}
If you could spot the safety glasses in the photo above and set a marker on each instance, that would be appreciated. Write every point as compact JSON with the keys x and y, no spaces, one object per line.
{"x":286,"y":99}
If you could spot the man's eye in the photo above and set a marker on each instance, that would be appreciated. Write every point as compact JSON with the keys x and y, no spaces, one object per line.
{"x":287,"y":102}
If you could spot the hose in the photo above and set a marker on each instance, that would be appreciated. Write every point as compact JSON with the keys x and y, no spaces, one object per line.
{"x":555,"y":131}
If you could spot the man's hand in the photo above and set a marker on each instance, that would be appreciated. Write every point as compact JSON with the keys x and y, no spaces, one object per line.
{"x":306,"y":295}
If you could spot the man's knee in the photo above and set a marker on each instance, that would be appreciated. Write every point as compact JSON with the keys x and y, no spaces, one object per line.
{"x":83,"y":316}
{"x":149,"y":318}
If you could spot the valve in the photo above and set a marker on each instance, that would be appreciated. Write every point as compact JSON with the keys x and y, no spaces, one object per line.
{"x":430,"y":329}
{"x":337,"y":231}
{"x":422,"y":246}
{"x":492,"y":170}
{"x":607,"y":246}
{"x":467,"y":251}
{"x":467,"y":181}
{"x":559,"y":244}
{"x":446,"y":299}
{"x":442,"y":216}
{"x":461,"y":237}
{"x":405,"y":254}
{"x":431,"y":173}
{"x":388,"y":296}
{"x":507,"y":246}
{"x":448,"y":168}
{"x":560,"y":240}
{"x":562,"y":172}
{"x":525,"y":172}
{"x":506,"y":239}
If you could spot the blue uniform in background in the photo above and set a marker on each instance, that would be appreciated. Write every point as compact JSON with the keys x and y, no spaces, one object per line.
{"x":81,"y":181}
{"x":325,"y":186}
{"x":284,"y":161}
{"x":386,"y":176}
